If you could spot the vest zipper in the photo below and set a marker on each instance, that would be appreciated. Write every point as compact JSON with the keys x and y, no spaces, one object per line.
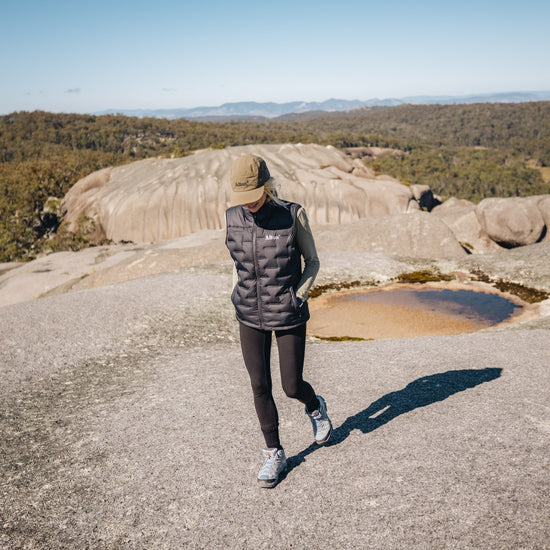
{"x":257,"y":277}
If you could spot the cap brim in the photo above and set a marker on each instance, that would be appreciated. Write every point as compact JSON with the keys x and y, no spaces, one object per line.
{"x":246,"y":197}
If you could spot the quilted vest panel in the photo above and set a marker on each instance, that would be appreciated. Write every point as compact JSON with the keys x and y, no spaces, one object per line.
{"x":269,"y":266}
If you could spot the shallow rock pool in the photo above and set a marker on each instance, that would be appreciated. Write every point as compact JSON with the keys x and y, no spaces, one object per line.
{"x":409,"y":311}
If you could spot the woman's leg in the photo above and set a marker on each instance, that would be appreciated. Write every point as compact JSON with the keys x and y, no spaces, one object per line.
{"x":291,"y":344}
{"x":256,"y":348}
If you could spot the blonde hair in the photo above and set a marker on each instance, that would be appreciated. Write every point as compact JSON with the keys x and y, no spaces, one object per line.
{"x":272,"y":191}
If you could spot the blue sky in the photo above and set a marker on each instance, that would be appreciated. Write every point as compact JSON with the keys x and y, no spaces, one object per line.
{"x":86,"y":56}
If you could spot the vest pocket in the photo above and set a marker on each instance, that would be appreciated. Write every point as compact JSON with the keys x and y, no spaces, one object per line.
{"x":293,"y":300}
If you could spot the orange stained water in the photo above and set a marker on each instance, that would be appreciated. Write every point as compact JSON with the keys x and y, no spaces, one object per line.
{"x":403,"y":312}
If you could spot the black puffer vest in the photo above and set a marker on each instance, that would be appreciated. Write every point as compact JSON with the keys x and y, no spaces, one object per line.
{"x":269,"y":266}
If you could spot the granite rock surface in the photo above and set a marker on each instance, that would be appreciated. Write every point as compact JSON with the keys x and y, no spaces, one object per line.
{"x":127,"y":422}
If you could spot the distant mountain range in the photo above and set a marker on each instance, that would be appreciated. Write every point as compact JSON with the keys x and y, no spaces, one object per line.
{"x":251,"y":110}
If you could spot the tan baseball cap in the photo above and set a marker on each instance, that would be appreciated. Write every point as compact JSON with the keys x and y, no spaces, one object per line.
{"x":248,"y":176}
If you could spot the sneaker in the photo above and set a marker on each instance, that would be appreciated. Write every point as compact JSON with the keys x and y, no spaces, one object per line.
{"x":274,"y":466}
{"x":322,"y":427}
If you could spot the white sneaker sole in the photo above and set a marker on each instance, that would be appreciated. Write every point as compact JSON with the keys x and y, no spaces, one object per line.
{"x":270,"y":483}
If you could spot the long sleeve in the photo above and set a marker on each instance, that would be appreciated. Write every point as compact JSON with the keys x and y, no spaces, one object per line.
{"x":306,"y":244}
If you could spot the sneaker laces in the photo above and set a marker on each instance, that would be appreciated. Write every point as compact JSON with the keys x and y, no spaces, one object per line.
{"x":316,"y":414}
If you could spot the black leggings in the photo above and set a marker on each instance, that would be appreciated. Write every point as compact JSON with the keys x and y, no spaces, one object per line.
{"x":256,"y":348}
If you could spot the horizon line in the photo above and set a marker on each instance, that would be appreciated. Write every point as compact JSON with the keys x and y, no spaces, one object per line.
{"x":405,"y":98}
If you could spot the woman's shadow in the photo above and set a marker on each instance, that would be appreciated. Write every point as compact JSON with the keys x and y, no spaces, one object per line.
{"x":419,"y":393}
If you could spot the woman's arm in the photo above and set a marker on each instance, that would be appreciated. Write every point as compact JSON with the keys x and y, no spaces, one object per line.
{"x":306,"y":245}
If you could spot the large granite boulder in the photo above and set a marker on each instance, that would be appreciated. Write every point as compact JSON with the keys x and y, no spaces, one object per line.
{"x":464,"y":223}
{"x":158,"y":199}
{"x":415,"y":235}
{"x":512,"y":222}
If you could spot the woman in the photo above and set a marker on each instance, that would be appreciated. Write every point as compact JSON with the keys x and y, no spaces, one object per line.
{"x":267,"y":238}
